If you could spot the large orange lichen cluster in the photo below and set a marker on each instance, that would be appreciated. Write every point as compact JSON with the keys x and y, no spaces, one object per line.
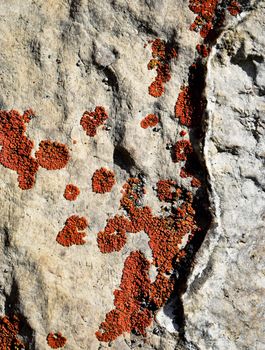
{"x":149,"y":121}
{"x":71,"y":192}
{"x":72,"y":233}
{"x":134,"y":290}
{"x":167,"y":190}
{"x":181,"y":150}
{"x":162,"y":55}
{"x":56,"y":340}
{"x":52,"y":155}
{"x":90,"y":121}
{"x":165,"y":236}
{"x":103,"y":180}
{"x":16,"y":147}
{"x":9,"y":328}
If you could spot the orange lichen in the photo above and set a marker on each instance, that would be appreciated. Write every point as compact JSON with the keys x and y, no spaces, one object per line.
{"x":162,"y":55}
{"x":195,"y":182}
{"x":182,"y":133}
{"x":203,"y":50}
{"x":167,"y":190}
{"x":71,"y":192}
{"x":103,"y":180}
{"x":134,"y":290}
{"x":184,"y":106}
{"x":90,"y":121}
{"x":16,"y":147}
{"x":165,"y":236}
{"x":52,"y":155}
{"x":181,"y":150}
{"x":72,"y":233}
{"x":56,"y":340}
{"x":9,"y":329}
{"x":234,"y":8}
{"x":149,"y":121}
{"x":113,"y":238}
{"x":156,"y":88}
{"x":205,"y":10}
{"x":161,"y":290}
{"x":191,"y":103}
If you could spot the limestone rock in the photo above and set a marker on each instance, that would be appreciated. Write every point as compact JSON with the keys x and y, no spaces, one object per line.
{"x":63,"y":58}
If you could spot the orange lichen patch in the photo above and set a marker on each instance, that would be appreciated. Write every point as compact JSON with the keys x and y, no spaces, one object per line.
{"x":184,"y":173}
{"x":195,"y":182}
{"x":90,"y":121}
{"x":181,"y":150}
{"x":9,"y":328}
{"x":16,"y":147}
{"x":156,"y":89}
{"x":234,"y":8}
{"x":205,"y":10}
{"x":161,"y":290}
{"x":182,"y":133}
{"x":184,"y":106}
{"x":134,"y":290}
{"x":71,"y":192}
{"x":103,"y":180}
{"x":52,"y":155}
{"x":162,"y":55}
{"x":113,"y":238}
{"x":56,"y":340}
{"x":191,"y":103}
{"x":149,"y":121}
{"x":165,"y":236}
{"x":167,"y":190}
{"x":72,"y":233}
{"x":203,"y":50}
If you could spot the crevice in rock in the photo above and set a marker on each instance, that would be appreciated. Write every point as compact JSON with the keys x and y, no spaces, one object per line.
{"x":202,"y":204}
{"x":123,"y":159}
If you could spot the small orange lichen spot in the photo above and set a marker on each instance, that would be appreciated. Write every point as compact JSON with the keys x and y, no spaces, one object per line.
{"x":52,"y":155}
{"x":72,"y":233}
{"x":234,"y":8}
{"x":56,"y":340}
{"x":103,"y":180}
{"x":149,"y":121}
{"x":205,"y":10}
{"x":9,"y":328}
{"x":181,"y":149}
{"x":195,"y":182}
{"x":91,"y":120}
{"x":183,"y":133}
{"x":74,"y":142}
{"x":71,"y":192}
{"x":202,"y":50}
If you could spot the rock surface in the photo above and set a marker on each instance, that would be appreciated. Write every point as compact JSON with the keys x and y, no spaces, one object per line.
{"x":224,"y":303}
{"x":62,"y":58}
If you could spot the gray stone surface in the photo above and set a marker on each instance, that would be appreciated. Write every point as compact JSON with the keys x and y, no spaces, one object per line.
{"x":61,"y":58}
{"x":224,"y":303}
